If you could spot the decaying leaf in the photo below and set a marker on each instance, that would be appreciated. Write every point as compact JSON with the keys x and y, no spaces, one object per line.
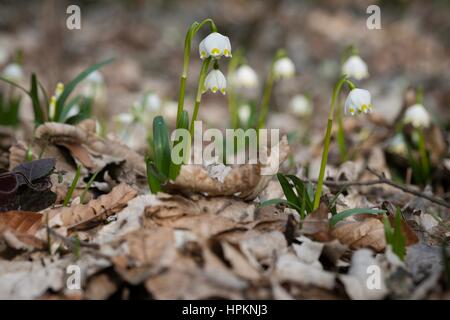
{"x":23,"y":222}
{"x":243,"y":181}
{"x":368,"y":233}
{"x":101,"y":208}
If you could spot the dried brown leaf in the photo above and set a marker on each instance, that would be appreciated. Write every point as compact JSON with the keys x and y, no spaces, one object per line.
{"x":368,"y":233}
{"x":97,"y":209}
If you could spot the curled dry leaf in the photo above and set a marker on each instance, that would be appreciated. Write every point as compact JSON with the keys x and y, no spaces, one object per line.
{"x":101,"y":208}
{"x":244,"y":181}
{"x":316,"y":224}
{"x":368,"y":233}
{"x":92,"y":151}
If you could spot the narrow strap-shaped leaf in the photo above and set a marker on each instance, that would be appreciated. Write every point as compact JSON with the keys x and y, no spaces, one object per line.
{"x":161,"y":146}
{"x":273,"y":202}
{"x":287,"y":189}
{"x":34,"y":94}
{"x":72,"y":85}
{"x":153,"y":178}
{"x":302,"y":192}
{"x":350,"y":212}
{"x":72,"y":186}
{"x":183,"y":123}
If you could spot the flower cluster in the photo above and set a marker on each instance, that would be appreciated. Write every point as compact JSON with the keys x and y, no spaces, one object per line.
{"x":215,"y":45}
{"x":417,"y":116}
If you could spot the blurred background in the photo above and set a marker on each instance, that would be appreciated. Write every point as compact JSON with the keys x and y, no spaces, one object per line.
{"x":146,"y":38}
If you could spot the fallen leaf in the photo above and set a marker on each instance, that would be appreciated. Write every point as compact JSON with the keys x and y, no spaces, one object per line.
{"x":23,"y":222}
{"x":101,"y":208}
{"x":368,"y":233}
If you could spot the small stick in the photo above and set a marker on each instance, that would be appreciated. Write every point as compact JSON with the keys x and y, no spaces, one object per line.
{"x":383,"y":180}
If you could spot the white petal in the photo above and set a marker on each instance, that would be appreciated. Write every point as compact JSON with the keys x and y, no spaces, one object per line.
{"x":418,"y":116}
{"x":358,"y":100}
{"x":300,"y":105}
{"x":13,"y":72}
{"x":95,"y":78}
{"x":355,"y":67}
{"x":284,"y":68}
{"x":245,"y":77}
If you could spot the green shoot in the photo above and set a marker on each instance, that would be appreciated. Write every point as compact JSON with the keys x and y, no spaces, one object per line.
{"x":351,"y":212}
{"x":72,"y":186}
{"x":88,"y":185}
{"x":394,"y":235}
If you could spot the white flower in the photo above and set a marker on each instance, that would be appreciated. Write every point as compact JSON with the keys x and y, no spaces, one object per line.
{"x":215,"y":80}
{"x":355,"y":67}
{"x":283,"y":68}
{"x":245,"y":77}
{"x":397,"y":144}
{"x":418,"y":116}
{"x":300,"y":105}
{"x":95,"y":78}
{"x":358,"y":101}
{"x":215,"y":45}
{"x":125,"y":118}
{"x":13,"y":72}
{"x":151,"y":102}
{"x":244,"y":113}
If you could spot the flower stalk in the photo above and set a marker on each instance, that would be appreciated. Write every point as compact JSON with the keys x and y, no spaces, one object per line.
{"x":336,"y":91}
{"x":193,"y":29}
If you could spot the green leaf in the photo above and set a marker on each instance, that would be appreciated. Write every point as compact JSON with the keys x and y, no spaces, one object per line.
{"x":350,"y":212}
{"x":73,"y":84}
{"x":161,"y":146}
{"x":303,"y":192}
{"x":34,"y":94}
{"x":154,"y":179}
{"x":288,"y":190}
{"x":399,"y":239}
{"x":72,"y":186}
{"x":273,"y":202}
{"x":183,"y":123}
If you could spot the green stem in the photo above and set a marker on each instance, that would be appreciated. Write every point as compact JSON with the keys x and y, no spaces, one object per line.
{"x":193,"y":29}
{"x":341,"y":135}
{"x":72,"y":186}
{"x":198,"y":99}
{"x":336,"y":90}
{"x":423,"y":155}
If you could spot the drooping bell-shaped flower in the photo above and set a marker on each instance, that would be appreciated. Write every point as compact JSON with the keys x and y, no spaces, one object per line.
{"x":124,"y":118}
{"x":417,"y":116}
{"x":300,"y":105}
{"x":245,"y":77}
{"x":215,"y":45}
{"x":13,"y":72}
{"x":215,"y":80}
{"x":151,"y":102}
{"x":95,"y":78}
{"x":355,"y":67}
{"x":283,"y":68}
{"x":244,"y":113}
{"x":358,"y":101}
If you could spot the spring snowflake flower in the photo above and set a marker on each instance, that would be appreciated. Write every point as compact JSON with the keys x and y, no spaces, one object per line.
{"x":13,"y":72}
{"x":215,"y":80}
{"x":283,"y":68}
{"x":397,"y":145}
{"x":124,"y":118}
{"x":300,"y":105}
{"x":215,"y":45}
{"x":245,"y":77}
{"x":244,"y":113}
{"x":358,"y":101}
{"x":95,"y":78}
{"x":418,"y":116}
{"x":151,"y":102}
{"x":355,"y":67}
